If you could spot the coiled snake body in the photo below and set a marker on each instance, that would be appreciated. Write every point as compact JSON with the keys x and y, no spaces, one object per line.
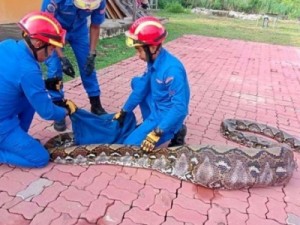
{"x":261,"y":164}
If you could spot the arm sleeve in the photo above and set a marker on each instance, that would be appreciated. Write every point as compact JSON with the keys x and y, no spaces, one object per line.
{"x":98,"y":15}
{"x":178,"y":89}
{"x":140,"y":88}
{"x":35,"y":91}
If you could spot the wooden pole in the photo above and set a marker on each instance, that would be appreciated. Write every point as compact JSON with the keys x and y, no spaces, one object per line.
{"x":134,"y":10}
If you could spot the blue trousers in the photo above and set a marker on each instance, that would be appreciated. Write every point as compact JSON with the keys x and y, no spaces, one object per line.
{"x":18,"y":148}
{"x":79,"y":43}
{"x":149,"y":122}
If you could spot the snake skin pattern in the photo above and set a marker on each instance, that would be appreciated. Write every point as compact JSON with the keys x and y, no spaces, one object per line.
{"x":262,"y":163}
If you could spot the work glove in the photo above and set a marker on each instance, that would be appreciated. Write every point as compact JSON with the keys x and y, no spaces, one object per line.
{"x":120,"y":117}
{"x":151,"y":140}
{"x":54,"y":84}
{"x":70,"y":106}
{"x":67,"y":67}
{"x":90,"y":64}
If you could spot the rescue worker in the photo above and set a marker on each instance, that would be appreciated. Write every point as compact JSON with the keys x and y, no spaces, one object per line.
{"x":72,"y":15}
{"x":162,"y":92}
{"x":23,"y":92}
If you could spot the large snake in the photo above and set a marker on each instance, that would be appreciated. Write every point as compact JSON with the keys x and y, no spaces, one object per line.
{"x":262,"y":163}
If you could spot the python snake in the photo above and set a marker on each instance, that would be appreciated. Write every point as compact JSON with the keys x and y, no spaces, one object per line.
{"x":262,"y":163}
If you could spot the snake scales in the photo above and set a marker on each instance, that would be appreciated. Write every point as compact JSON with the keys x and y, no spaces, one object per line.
{"x":263,"y":163}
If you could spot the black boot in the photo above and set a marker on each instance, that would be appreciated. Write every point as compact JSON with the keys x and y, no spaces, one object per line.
{"x":61,"y":124}
{"x":96,"y":106}
{"x":179,"y":137}
{"x":144,"y":5}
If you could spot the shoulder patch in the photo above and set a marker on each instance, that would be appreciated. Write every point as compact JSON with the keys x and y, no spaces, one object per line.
{"x":51,"y":7}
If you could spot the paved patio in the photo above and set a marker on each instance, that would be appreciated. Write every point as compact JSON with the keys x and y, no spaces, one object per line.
{"x":229,"y":79}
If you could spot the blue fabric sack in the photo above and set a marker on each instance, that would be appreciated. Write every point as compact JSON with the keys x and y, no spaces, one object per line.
{"x":89,"y":128}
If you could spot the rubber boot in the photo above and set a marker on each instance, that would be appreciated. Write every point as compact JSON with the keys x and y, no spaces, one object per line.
{"x":60,"y":125}
{"x":179,"y":137}
{"x":96,"y":106}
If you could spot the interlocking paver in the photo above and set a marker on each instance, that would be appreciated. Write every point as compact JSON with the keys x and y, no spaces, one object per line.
{"x":64,"y":219}
{"x":97,"y":209}
{"x":45,"y":217}
{"x":74,"y":209}
{"x":12,"y":203}
{"x":4,"y":169}
{"x":255,"y":220}
{"x":124,"y":196}
{"x":12,"y":187}
{"x":7,"y":218}
{"x":172,"y":221}
{"x":217,"y":215}
{"x":144,"y":216}
{"x":129,"y":222}
{"x":27,"y":209}
{"x":127,"y":172}
{"x":185,"y":215}
{"x":236,"y":218}
{"x":228,"y":78}
{"x":49,"y":194}
{"x":160,"y":182}
{"x":232,"y":203}
{"x":62,"y":177}
{"x":76,"y":195}
{"x":146,"y":197}
{"x":76,"y":171}
{"x":125,"y":184}
{"x":192,"y":204}
{"x":276,"y":210}
{"x":99,"y":183}
{"x":114,"y":214}
{"x":86,"y":178}
{"x":141,"y":176}
{"x":163,"y":202}
{"x":4,"y":197}
{"x":258,"y":205}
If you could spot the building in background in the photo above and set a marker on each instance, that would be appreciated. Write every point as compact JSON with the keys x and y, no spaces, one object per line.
{"x":11,"y":11}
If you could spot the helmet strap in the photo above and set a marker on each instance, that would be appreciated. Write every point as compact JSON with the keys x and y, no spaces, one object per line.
{"x":34,"y":49}
{"x":149,"y":54}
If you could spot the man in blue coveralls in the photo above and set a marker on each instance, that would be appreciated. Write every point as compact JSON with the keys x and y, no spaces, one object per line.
{"x":72,"y":15}
{"x":22,"y":89}
{"x":162,"y":92}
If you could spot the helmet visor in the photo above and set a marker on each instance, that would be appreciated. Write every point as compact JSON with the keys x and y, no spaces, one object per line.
{"x":58,"y":41}
{"x":130,"y":42}
{"x":87,"y":4}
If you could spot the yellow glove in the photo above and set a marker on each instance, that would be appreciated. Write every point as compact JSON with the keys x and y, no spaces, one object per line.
{"x":120,"y":117}
{"x":151,"y":140}
{"x":70,"y":106}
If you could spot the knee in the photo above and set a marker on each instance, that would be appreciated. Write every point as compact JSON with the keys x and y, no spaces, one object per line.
{"x":41,"y":160}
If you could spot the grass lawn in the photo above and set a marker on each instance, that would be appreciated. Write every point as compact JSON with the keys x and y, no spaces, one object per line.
{"x":113,"y":50}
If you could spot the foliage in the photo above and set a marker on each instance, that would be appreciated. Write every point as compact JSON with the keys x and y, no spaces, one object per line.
{"x":174,"y":7}
{"x":282,"y":7}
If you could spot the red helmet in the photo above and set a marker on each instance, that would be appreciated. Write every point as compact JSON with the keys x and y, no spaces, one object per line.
{"x":146,"y":31}
{"x":43,"y":26}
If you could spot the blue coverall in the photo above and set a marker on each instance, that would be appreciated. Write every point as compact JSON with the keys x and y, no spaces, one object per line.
{"x":163,"y":94}
{"x":74,"y":21}
{"x":22,"y":92}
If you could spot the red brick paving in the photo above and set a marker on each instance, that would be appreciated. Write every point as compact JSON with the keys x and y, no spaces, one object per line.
{"x":229,"y":78}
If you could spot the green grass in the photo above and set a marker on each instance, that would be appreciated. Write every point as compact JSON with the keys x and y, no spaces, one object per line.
{"x":284,"y":33}
{"x":113,"y":50}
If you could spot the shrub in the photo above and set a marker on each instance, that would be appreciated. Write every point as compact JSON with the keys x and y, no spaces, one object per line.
{"x":174,"y":7}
